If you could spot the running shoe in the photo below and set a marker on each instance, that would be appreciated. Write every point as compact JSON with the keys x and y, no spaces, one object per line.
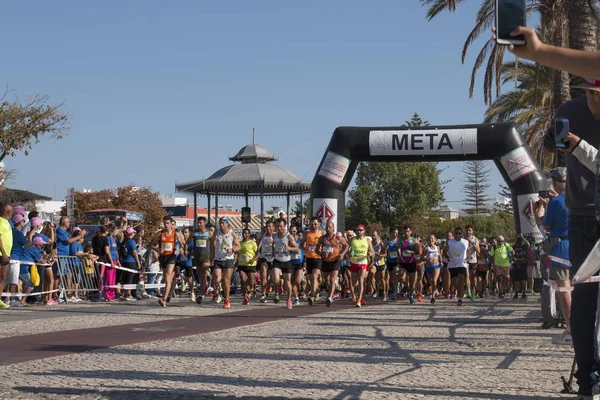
{"x":486,"y":292}
{"x":524,"y":296}
{"x":168,"y":298}
{"x":357,"y":305}
{"x":393,"y":297}
{"x":192,"y":296}
{"x":375,"y":295}
{"x":353,"y":299}
{"x":459,"y":303}
{"x":328,"y":302}
{"x":129,"y":298}
{"x":516,"y":296}
{"x":288,"y":304}
{"x":199,"y":299}
{"x":564,"y":339}
{"x":411,"y":300}
{"x":276,"y":299}
{"x":432,"y":300}
{"x":183,"y":287}
{"x":4,"y":305}
{"x":162,"y":302}
{"x":51,"y":302}
{"x":219,"y":299}
{"x":227,"y":304}
{"x":246,"y":301}
{"x":336,"y":295}
{"x":419,"y":298}
{"x":263,"y":299}
{"x":146,"y":296}
{"x":385,"y":297}
{"x":363,"y":302}
{"x":311,"y":300}
{"x":296,"y":302}
{"x":471,"y":296}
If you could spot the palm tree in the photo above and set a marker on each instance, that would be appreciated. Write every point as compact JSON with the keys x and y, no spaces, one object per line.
{"x":529,"y":105}
{"x":583,"y":26}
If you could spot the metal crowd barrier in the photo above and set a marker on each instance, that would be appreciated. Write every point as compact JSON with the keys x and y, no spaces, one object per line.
{"x":79,"y":277}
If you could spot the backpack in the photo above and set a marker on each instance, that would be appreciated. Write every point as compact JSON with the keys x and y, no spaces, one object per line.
{"x":123,"y":251}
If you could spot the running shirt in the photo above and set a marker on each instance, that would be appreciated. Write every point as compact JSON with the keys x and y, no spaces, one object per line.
{"x":458,"y":252}
{"x":379,"y":258}
{"x":186,"y":261}
{"x":482,"y":260}
{"x":266,"y":249}
{"x":473,"y":258}
{"x":432,"y":253}
{"x":224,"y":242}
{"x":392,"y":255}
{"x":312,"y":238}
{"x":501,"y":255}
{"x":167,"y":243}
{"x":201,"y":243}
{"x":281,"y":254}
{"x":298,"y":256}
{"x":247,"y":253}
{"x":330,"y":250}
{"x":406,"y":256}
{"x":360,"y":248}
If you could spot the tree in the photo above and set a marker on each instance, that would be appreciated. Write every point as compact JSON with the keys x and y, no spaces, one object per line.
{"x":416,"y":120}
{"x":306,"y":208}
{"x":583,"y":27}
{"x":23,"y":124}
{"x":128,"y":198}
{"x":475,"y":187}
{"x":505,"y":207}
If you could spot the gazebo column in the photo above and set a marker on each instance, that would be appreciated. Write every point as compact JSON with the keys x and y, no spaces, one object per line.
{"x":195,"y":223}
{"x":246,"y":195}
{"x":287,"y":211}
{"x":301,"y":211}
{"x":262,"y":211}
{"x":216,"y":210}
{"x":208,"y":210}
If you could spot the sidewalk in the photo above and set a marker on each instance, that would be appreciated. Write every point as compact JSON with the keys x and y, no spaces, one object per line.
{"x":491,"y":349}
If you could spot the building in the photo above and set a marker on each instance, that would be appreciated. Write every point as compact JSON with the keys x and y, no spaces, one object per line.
{"x":448,"y":212}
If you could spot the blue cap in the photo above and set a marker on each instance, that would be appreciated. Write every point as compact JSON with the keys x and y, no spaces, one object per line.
{"x":224,"y":219}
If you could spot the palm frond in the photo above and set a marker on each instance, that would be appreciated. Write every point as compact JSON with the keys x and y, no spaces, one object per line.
{"x":437,"y":6}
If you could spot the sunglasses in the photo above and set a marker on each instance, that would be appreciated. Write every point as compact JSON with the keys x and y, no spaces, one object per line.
{"x":294,"y":231}
{"x":458,"y":233}
{"x":360,"y":230}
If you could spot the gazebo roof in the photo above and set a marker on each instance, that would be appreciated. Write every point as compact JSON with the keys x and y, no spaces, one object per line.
{"x":250,"y":178}
{"x":18,"y":196}
{"x":253,"y":153}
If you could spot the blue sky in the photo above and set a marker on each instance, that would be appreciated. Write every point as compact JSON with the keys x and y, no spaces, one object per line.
{"x":161,"y":92}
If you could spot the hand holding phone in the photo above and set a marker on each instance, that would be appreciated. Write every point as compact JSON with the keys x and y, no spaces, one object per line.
{"x":544,"y":194}
{"x":561,"y":130}
{"x":510,"y":14}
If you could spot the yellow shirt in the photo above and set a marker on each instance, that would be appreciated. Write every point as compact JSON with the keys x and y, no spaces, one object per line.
{"x":360,"y":248}
{"x":6,"y":236}
{"x":247,"y":253}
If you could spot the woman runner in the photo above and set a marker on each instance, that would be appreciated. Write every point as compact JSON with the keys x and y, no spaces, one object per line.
{"x":432,"y":266}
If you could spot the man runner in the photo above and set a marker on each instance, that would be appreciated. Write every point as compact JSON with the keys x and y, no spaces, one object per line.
{"x":410,"y":252}
{"x":267,"y":256}
{"x":284,"y":245}
{"x":224,"y":244}
{"x":457,"y":252}
{"x":313,"y":260}
{"x":201,"y":242}
{"x":472,"y":261}
{"x":329,"y":249}
{"x":167,"y":258}
{"x":393,"y":266}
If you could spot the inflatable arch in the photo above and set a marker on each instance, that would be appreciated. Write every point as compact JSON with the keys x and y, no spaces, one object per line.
{"x":499,"y":142}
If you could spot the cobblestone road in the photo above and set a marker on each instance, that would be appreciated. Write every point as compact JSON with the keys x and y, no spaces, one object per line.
{"x":491,"y":349}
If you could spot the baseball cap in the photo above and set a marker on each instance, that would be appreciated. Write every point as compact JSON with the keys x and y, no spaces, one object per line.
{"x":483,"y":242}
{"x":38,"y":241}
{"x":339,"y":234}
{"x":129,"y":230}
{"x":559,"y":174}
{"x":36,"y":222}
{"x":224,"y":219}
{"x":589,"y":84}
{"x":17,"y":218}
{"x":19,"y":210}
{"x":76,"y":229}
{"x":360,"y":227}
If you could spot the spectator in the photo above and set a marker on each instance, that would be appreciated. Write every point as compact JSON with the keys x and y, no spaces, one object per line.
{"x":501,"y":255}
{"x":30,"y":216}
{"x":16,"y":255}
{"x":130,"y":260}
{"x":63,"y":247}
{"x":101,"y":249}
{"x":76,"y":251}
{"x":33,"y":254}
{"x":153,"y":267}
{"x":6,"y":239}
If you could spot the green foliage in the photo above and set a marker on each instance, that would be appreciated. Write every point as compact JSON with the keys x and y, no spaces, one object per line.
{"x":475,"y":187}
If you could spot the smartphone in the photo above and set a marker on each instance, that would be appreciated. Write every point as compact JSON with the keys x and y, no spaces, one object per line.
{"x":561,"y":130}
{"x":544,"y":194}
{"x":510,"y":14}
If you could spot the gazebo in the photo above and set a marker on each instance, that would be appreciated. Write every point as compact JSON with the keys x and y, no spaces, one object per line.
{"x":251,"y":176}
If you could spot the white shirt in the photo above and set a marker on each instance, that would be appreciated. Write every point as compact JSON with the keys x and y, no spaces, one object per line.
{"x":457,"y":251}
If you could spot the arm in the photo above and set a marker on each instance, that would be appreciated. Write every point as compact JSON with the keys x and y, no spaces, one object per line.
{"x":345,"y":248}
{"x":236,"y":243}
{"x":319,"y":248}
{"x":137,"y":260}
{"x":292,"y":246}
{"x":584,"y":152}
{"x":371,"y":251}
{"x":445,"y":252}
{"x":5,"y":255}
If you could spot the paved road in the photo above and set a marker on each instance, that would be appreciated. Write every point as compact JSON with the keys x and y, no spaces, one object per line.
{"x":491,"y":349}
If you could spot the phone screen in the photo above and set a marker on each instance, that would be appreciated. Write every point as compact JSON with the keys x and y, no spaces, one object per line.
{"x":511,"y":15}
{"x":561,"y":130}
{"x":544,"y":194}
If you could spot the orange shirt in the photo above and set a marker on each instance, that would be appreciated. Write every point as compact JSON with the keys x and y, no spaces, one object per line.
{"x":330,"y":249}
{"x":167,"y":243}
{"x":310,"y":244}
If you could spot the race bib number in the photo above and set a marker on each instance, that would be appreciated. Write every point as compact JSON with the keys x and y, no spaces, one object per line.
{"x":167,"y":247}
{"x":312,"y":248}
{"x":328,"y":249}
{"x":393,"y":254}
{"x":244,"y":259}
{"x":433,"y":254}
{"x":457,"y":254}
{"x":295,"y":256}
{"x":360,"y":261}
{"x":382,"y":261}
{"x":201,"y":243}
{"x":406,"y":254}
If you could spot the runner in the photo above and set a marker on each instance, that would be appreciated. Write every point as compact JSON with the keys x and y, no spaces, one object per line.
{"x":381,"y":275}
{"x":361,"y":250}
{"x":345,"y":274}
{"x":247,"y":264}
{"x":298,"y":264}
{"x":167,"y":238}
{"x":481,"y":274}
{"x":186,"y":262}
{"x":393,"y":267}
{"x":445,"y":272}
{"x":420,"y":260}
{"x":224,"y":245}
{"x":332,"y":249}
{"x":432,"y":266}
{"x":201,"y":242}
{"x":410,"y":252}
{"x":313,"y":260}
{"x":502,"y":253}
{"x":285,"y":244}
{"x":267,"y":256}
{"x":472,"y":261}
{"x":458,"y":252}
